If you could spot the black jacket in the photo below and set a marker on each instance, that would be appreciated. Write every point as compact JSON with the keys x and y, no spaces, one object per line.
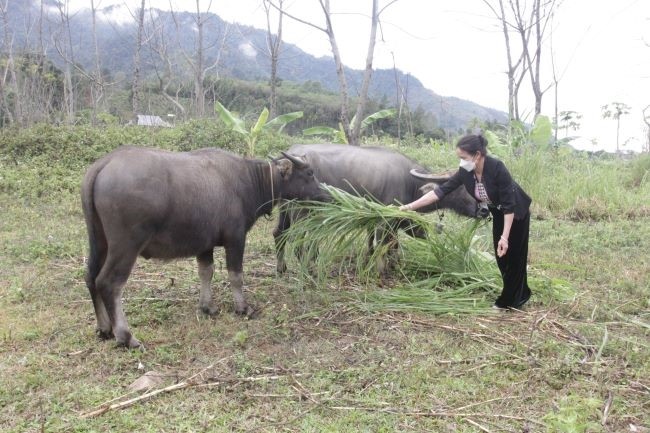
{"x":503,"y":191}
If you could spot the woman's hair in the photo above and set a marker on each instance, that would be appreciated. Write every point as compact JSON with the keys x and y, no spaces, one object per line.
{"x":472,"y":144}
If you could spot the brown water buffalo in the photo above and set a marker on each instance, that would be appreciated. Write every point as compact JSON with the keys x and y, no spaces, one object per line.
{"x":159,"y":204}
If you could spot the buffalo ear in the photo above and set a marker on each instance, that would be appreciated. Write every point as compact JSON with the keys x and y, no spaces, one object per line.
{"x":285,"y":167}
{"x":438,"y":178}
{"x":427,"y":187}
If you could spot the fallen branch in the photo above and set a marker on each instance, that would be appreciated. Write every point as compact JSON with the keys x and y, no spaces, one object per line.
{"x":195,"y":381}
{"x":477,"y":425}
{"x":131,"y":402}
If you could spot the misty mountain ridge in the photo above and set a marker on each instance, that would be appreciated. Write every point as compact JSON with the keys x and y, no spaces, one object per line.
{"x":235,"y":50}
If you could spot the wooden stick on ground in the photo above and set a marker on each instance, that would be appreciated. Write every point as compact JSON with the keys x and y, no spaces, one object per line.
{"x":195,"y":381}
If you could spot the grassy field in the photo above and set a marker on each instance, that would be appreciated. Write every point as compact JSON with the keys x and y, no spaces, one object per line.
{"x":315,"y":360}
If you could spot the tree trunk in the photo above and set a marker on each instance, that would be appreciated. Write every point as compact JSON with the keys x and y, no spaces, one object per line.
{"x":97,"y":84}
{"x":367,"y":75}
{"x":63,"y":45}
{"x":199,"y":99}
{"x":340,"y":73}
{"x":8,"y":83}
{"x":136,"y":85}
{"x":273,"y":45}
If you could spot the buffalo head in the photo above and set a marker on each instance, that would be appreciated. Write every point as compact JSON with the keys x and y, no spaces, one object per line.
{"x":297,"y":180}
{"x":458,"y":200}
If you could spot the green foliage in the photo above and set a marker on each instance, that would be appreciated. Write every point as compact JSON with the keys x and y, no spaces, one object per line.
{"x":338,"y":135}
{"x":542,"y":132}
{"x":238,"y":125}
{"x":45,"y":160}
{"x":240,"y":338}
{"x":639,"y":172}
{"x":580,"y":186}
{"x":495,"y":145}
{"x":375,"y":117}
{"x":574,"y":414}
{"x":333,"y":135}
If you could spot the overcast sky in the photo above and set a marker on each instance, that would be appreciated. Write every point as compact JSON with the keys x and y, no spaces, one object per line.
{"x":455,"y":48}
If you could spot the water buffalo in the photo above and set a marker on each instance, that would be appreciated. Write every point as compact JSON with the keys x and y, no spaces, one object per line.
{"x":382,"y":173}
{"x":158,"y":204}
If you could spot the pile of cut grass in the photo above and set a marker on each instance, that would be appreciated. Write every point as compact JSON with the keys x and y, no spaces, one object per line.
{"x":448,"y":271}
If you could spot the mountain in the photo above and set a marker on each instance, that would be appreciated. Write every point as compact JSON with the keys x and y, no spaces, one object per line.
{"x":237,"y":50}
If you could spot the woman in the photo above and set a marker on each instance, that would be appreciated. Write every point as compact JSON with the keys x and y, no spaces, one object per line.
{"x":490,"y":183}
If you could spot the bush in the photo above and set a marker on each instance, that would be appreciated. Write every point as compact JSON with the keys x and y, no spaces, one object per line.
{"x":46,"y":159}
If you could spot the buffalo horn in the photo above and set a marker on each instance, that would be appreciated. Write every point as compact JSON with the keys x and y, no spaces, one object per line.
{"x":428,"y":176}
{"x":299,"y":163}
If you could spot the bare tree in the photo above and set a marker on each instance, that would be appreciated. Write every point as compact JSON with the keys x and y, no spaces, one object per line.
{"x":540,"y":17}
{"x":11,"y":103}
{"x":164,"y":64}
{"x":530,"y":21}
{"x":63,"y":44}
{"x":274,"y":43}
{"x":351,"y":131}
{"x":367,"y":75}
{"x":513,"y":64}
{"x":28,"y":81}
{"x":97,"y":82}
{"x":197,"y":60}
{"x":136,"y":85}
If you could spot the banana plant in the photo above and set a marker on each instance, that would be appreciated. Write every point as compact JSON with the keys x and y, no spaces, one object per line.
{"x":338,"y":135}
{"x":238,"y":125}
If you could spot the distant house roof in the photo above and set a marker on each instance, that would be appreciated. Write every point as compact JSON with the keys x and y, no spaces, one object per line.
{"x":148,"y":120}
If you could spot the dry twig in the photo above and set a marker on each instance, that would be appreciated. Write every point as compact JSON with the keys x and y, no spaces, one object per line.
{"x":198,"y":380}
{"x":477,"y":425}
{"x":608,"y":406}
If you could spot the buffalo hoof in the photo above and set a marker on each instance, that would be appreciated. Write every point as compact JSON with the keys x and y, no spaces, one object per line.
{"x":210,"y":310}
{"x":249,"y":312}
{"x":129,"y":341}
{"x":104,"y":335}
{"x":133,"y":344}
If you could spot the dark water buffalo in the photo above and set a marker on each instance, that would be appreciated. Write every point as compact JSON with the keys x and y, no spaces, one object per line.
{"x":159,"y":204}
{"x":376,"y":171}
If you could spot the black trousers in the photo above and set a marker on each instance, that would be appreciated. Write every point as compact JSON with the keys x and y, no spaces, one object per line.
{"x":513,"y":264}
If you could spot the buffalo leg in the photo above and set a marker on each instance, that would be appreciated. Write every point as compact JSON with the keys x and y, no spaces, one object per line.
{"x":104,"y":329}
{"x":284,"y":222}
{"x":95,"y":263}
{"x":109,"y":284}
{"x":234,"y":263}
{"x":384,"y":249}
{"x":206,"y":270}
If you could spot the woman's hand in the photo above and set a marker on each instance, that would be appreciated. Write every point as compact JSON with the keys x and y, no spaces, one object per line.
{"x":405,"y":207}
{"x":502,"y":247}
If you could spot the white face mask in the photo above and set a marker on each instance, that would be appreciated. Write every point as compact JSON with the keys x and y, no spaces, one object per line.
{"x":467,"y":164}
